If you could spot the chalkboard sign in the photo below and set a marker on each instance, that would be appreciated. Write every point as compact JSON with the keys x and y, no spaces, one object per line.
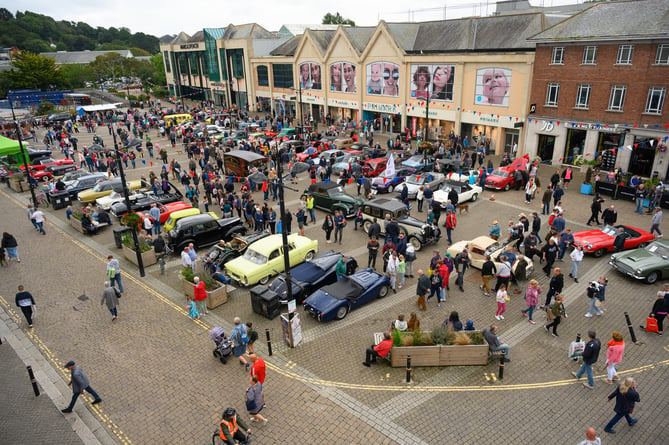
{"x":609,"y":160}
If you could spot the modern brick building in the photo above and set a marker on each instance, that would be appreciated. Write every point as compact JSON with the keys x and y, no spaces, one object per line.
{"x":599,"y":88}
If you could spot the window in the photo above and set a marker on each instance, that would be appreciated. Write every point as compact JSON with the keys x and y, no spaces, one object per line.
{"x":552,"y":94}
{"x":662,"y":56}
{"x":589,"y":55}
{"x":166,"y":59}
{"x":282,"y":75}
{"x":583,"y":96}
{"x":558,"y":56}
{"x":617,"y":99}
{"x":625,"y":54}
{"x":263,"y":76}
{"x":655,"y":100}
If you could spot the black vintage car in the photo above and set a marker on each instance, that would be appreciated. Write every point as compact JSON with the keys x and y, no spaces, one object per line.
{"x":330,"y":196}
{"x":224,"y":251}
{"x":311,"y":276}
{"x":203,"y":230}
{"x":144,"y":202}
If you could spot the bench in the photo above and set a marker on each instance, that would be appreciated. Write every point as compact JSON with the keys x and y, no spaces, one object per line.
{"x":378,"y":338}
{"x":76,"y":223}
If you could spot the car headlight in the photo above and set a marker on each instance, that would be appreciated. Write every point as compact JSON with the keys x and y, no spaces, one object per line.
{"x":639,"y":271}
{"x":588,"y":246}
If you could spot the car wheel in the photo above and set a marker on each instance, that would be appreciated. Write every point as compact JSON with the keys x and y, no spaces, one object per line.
{"x":642,"y":245}
{"x":383,"y":291}
{"x":366,"y":225}
{"x":507,"y":187}
{"x":599,"y":253}
{"x":652,"y":278}
{"x":341,"y":312}
{"x":416,"y":243}
{"x":390,"y":189}
{"x":309,"y":256}
{"x":264,"y":280}
{"x":475,"y":196}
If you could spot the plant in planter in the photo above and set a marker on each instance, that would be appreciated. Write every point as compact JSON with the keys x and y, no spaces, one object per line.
{"x":127,"y":241}
{"x":77,"y":214}
{"x":132,"y":220}
{"x":217,"y":294}
{"x":426,"y":147}
{"x":209,"y":282}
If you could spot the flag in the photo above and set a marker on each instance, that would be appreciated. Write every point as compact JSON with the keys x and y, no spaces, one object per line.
{"x":390,"y":167}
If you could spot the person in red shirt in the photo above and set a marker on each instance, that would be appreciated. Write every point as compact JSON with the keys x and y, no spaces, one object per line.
{"x":258,"y":368}
{"x":200,"y":295}
{"x":381,"y":350}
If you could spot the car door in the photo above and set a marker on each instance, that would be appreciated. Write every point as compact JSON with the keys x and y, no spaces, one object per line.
{"x":274,"y":262}
{"x":211,"y":233}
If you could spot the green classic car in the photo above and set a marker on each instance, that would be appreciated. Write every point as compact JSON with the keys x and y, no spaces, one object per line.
{"x":330,"y":196}
{"x":648,"y":264}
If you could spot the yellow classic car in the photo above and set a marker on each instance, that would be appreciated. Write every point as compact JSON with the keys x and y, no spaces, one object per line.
{"x":264,"y":258}
{"x":105,"y":188}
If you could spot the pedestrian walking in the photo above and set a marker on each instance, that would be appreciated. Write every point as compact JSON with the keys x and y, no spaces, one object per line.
{"x":200,"y":295}
{"x":373,"y":249}
{"x":655,"y":222}
{"x":26,"y":302}
{"x":658,"y":312}
{"x":488,"y":270}
{"x":422,"y":287}
{"x":255,"y":400}
{"x":114,"y":272}
{"x":531,"y":299}
{"x":461,"y":265}
{"x":590,"y":356}
{"x":39,"y":219}
{"x":549,"y":255}
{"x":614,"y":355}
{"x":10,"y":244}
{"x":595,"y":209}
{"x":258,"y":368}
{"x":503,"y":273}
{"x":410,"y":257}
{"x":502,"y":297}
{"x":340,"y":223}
{"x":240,"y":338}
{"x":554,"y":287}
{"x":626,"y":396}
{"x":554,"y":314}
{"x":436,"y":283}
{"x":591,"y":438}
{"x":191,"y":307}
{"x":328,"y":227}
{"x":79,"y":383}
{"x":30,"y":211}
{"x":576,"y":256}
{"x":392,"y":270}
{"x":110,"y":297}
{"x":450,"y":224}
{"x":596,"y":293}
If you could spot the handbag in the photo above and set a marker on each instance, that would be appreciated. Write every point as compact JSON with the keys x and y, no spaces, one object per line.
{"x":598,"y":303}
{"x":549,"y":315}
{"x":118,"y":294}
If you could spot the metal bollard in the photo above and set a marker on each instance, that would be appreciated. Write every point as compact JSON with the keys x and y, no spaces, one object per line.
{"x":33,"y":381}
{"x":500,"y":372}
{"x":629,"y":326}
{"x":408,"y":376}
{"x":269,"y":342}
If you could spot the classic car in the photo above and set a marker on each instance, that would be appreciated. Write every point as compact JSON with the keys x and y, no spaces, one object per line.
{"x":264,"y":258}
{"x":464,"y":176}
{"x":599,"y":241}
{"x":465,"y":192}
{"x":648,"y":264}
{"x":84,"y":182}
{"x":286,"y":133}
{"x":311,"y":275}
{"x":418,"y":180}
{"x":502,"y":178}
{"x":336,"y":300}
{"x":374,"y":167}
{"x":71,"y":176}
{"x":342,"y":143}
{"x":235,"y":137}
{"x":331,"y":196}
{"x":484,"y":245}
{"x":106,"y":201}
{"x":144,"y":202}
{"x":203,"y":230}
{"x":166,"y":210}
{"x":386,"y":184}
{"x":224,"y":251}
{"x":105,"y":188}
{"x":42,"y":163}
{"x":334,"y":155}
{"x":177,"y":215}
{"x":52,"y":170}
{"x":420,"y":163}
{"x":351,"y":158}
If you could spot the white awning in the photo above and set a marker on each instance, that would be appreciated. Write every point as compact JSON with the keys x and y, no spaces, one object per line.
{"x":102,"y":107}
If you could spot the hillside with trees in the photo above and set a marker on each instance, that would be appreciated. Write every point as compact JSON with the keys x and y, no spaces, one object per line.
{"x":36,"y":33}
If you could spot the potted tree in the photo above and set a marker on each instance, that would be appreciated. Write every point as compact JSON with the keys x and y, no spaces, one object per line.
{"x":439,"y":348}
{"x":147,"y":251}
{"x":217,"y":293}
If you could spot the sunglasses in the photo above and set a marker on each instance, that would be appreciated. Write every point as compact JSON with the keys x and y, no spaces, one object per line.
{"x":387,"y":73}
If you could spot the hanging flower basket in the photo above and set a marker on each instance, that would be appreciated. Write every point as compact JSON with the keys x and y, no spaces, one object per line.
{"x":132,"y":220}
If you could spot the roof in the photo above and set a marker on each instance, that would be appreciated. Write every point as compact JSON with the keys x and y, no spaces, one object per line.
{"x":182,"y":37}
{"x":197,"y":37}
{"x":387,"y":203}
{"x":287,"y":48}
{"x":322,"y":39}
{"x":248,"y":156}
{"x":324,"y":185}
{"x":82,"y":57}
{"x":623,"y":20}
{"x":291,"y":30}
{"x":359,"y":36}
{"x":248,"y":30}
{"x":270,"y":243}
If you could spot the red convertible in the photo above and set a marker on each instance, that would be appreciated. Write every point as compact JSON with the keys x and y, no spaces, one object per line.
{"x":600,"y":241}
{"x":167,"y":209}
{"x":42,"y":163}
{"x":502,"y":178}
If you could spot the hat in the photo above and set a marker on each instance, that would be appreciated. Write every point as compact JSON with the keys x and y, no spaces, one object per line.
{"x":448,"y":255}
{"x":68,"y":364}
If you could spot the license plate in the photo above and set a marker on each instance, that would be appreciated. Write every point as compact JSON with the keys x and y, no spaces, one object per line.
{"x":374,"y":191}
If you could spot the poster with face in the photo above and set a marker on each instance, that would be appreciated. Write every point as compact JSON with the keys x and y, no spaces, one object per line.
{"x":434,"y":82}
{"x":492,"y":87}
{"x":383,"y":79}
{"x":343,"y":77}
{"x":310,"y":76}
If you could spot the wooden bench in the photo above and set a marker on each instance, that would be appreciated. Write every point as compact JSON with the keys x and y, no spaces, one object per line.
{"x":76,"y":223}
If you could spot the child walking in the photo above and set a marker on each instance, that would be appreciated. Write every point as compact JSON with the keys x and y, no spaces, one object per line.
{"x":502,"y":298}
{"x":401,"y":270}
{"x":192,"y":309}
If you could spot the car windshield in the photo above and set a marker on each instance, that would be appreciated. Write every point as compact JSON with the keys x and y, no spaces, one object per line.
{"x":416,"y":179}
{"x":658,"y":249}
{"x":491,"y":248}
{"x":500,"y":173}
{"x":98,"y":187}
{"x":336,"y":190}
{"x":415,"y":159}
{"x":610,"y":231}
{"x":255,"y":257}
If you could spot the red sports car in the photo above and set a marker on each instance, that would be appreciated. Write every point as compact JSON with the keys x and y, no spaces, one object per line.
{"x":600,"y":241}
{"x":167,"y":209}
{"x":42,"y":163}
{"x":502,"y":178}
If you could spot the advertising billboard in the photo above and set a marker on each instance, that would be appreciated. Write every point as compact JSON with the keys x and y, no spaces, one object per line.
{"x":310,"y":76}
{"x":492,"y":87}
{"x":343,"y":77}
{"x":383,"y":79}
{"x":434,"y":82}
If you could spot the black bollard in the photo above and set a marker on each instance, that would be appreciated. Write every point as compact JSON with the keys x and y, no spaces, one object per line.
{"x":629,"y":326}
{"x":500,"y":372}
{"x":33,"y":381}
{"x":269,"y":342}
{"x":408,"y":377}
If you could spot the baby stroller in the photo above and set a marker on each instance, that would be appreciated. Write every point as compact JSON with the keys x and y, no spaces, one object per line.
{"x":223,"y":345}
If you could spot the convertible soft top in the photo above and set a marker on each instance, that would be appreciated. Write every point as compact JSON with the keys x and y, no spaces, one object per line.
{"x":344,"y":289}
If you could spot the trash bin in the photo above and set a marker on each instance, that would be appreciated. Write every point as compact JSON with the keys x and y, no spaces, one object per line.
{"x":118,"y":235}
{"x":265,"y":302}
{"x":59,"y":200}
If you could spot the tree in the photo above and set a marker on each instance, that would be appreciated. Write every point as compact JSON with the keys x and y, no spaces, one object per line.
{"x":337,"y":19}
{"x":108,"y":66}
{"x":159,"y":67}
{"x":34,"y":71}
{"x":5,"y":15}
{"x":74,"y":76}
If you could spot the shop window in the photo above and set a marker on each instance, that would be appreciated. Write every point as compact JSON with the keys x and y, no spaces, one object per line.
{"x":282,"y":75}
{"x":166,"y":59}
{"x":575,"y":145}
{"x":662,"y":55}
{"x":643,"y":157}
{"x":558,"y":56}
{"x":608,"y":158}
{"x":583,"y":96}
{"x":545,"y":148}
{"x":263,"y":76}
{"x":589,"y":55}
{"x":617,"y":98}
{"x":609,"y":141}
{"x":655,"y":100}
{"x":552,"y":94}
{"x":625,"y":55}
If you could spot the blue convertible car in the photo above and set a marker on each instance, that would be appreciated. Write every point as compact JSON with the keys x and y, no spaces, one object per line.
{"x":336,"y":300}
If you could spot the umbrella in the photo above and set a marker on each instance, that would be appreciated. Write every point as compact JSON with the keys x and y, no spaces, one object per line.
{"x":299,"y":167}
{"x":134,"y":142}
{"x":96,"y":148}
{"x":257,"y":177}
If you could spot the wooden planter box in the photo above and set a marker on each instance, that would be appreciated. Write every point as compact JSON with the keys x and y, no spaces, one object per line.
{"x":439,"y":355}
{"x":19,"y":186}
{"x":215,"y":297}
{"x":76,"y":223}
{"x":148,"y":257}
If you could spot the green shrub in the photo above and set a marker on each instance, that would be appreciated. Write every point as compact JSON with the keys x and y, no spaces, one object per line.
{"x":397,"y":338}
{"x":209,"y":282}
{"x":130,"y":244}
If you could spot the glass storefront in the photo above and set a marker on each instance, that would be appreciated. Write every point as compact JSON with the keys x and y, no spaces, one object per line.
{"x":574,"y":146}
{"x":609,"y":141}
{"x":510,"y":137}
{"x":643,"y":156}
{"x":545,"y":148}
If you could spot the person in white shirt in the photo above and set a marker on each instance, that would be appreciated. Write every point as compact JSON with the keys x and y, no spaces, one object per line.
{"x":393,"y":264}
{"x":39,"y":219}
{"x":400,"y":324}
{"x":185,"y":258}
{"x":576,"y":257}
{"x":591,"y":438}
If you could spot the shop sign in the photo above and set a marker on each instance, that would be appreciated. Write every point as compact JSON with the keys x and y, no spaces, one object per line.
{"x":190,"y":46}
{"x":381,"y":108}
{"x":342,"y":103}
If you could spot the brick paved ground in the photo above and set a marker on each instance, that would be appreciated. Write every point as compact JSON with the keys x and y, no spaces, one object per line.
{"x":159,"y":383}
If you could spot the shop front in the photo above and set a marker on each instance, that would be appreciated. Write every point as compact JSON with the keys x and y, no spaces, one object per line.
{"x":312,"y":105}
{"x":344,"y":111}
{"x":496,"y":132}
{"x":283,"y":106}
{"x":387,"y":118}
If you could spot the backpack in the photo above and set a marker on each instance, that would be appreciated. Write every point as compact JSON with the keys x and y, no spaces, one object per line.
{"x":592,"y":289}
{"x":243,"y":336}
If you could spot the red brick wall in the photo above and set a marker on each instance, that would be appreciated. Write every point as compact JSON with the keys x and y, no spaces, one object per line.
{"x":638,"y":77}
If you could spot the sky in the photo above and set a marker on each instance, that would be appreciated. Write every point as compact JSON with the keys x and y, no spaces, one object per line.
{"x":171,"y":16}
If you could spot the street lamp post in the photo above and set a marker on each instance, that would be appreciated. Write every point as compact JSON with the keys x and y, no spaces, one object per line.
{"x":284,"y":232}
{"x":135,"y":240}
{"x":23,"y":153}
{"x":425,"y":133}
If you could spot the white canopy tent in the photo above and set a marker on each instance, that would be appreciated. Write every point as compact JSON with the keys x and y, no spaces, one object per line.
{"x":101,"y":107}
